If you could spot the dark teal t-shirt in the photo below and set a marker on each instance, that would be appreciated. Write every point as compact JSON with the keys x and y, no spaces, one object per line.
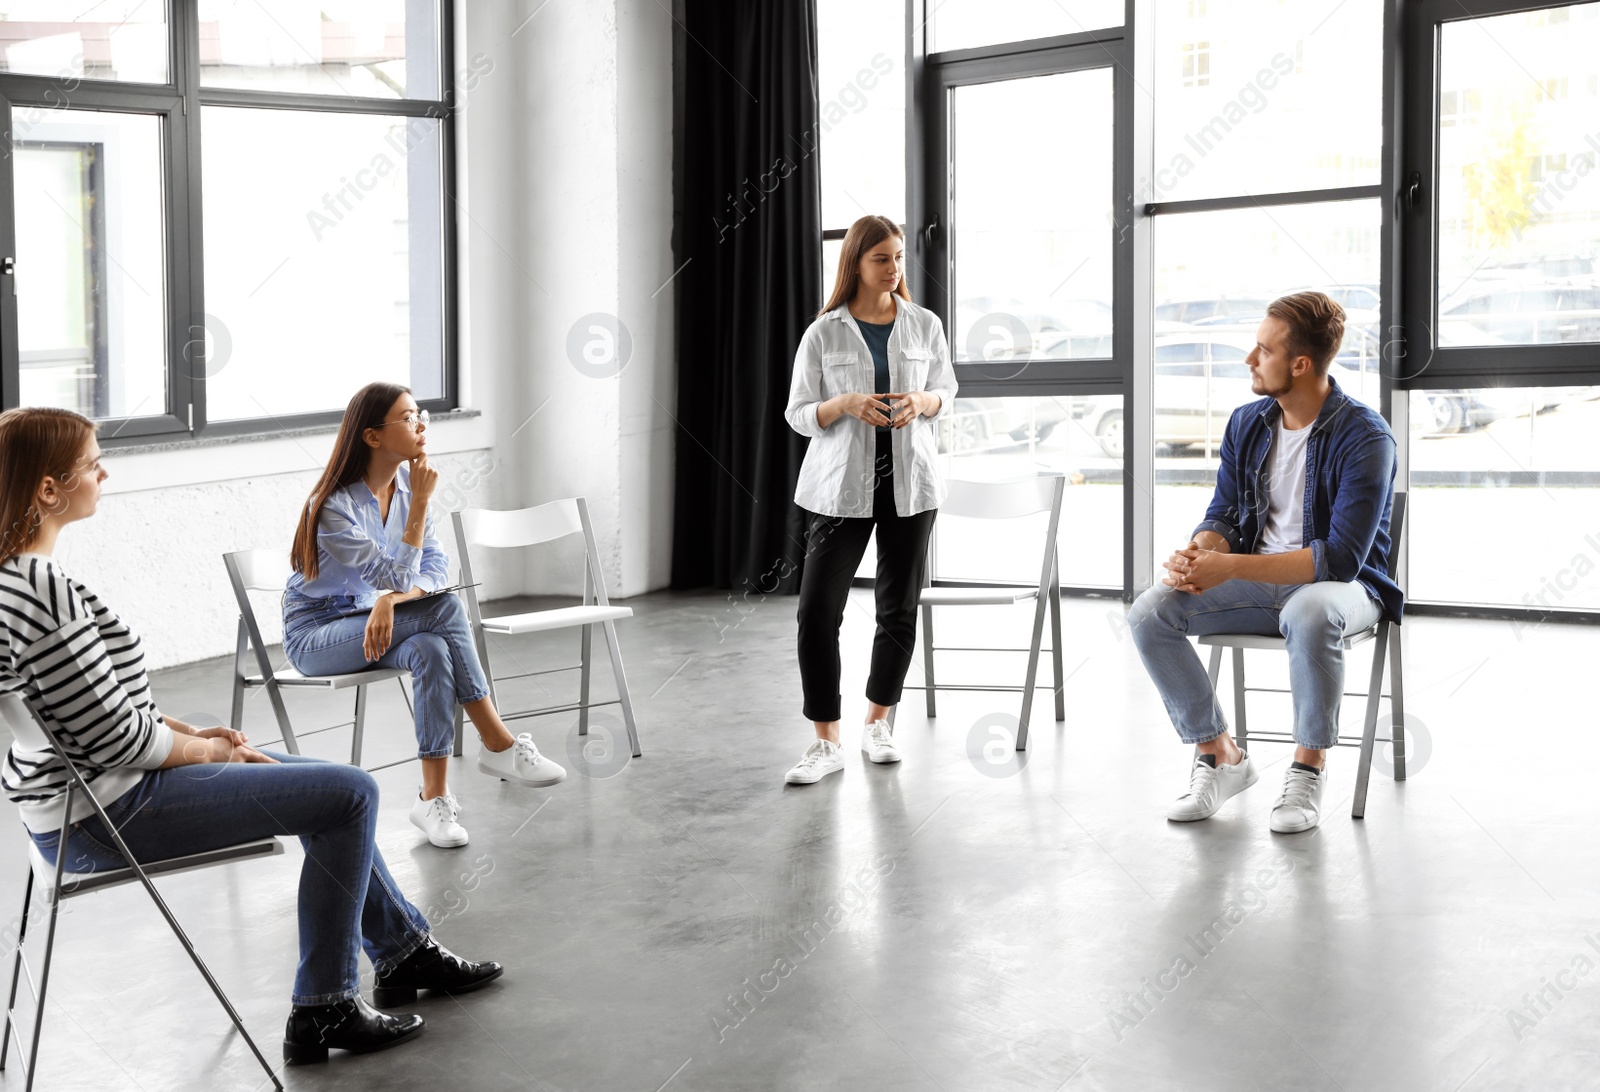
{"x":877,"y":337}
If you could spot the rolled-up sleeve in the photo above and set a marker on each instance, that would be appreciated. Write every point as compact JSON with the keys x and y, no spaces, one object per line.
{"x":1366,"y":479}
{"x":342,"y":542}
{"x":941,"y":373}
{"x":805,"y":386}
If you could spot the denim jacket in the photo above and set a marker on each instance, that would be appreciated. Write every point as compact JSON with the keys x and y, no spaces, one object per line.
{"x":1350,"y":468}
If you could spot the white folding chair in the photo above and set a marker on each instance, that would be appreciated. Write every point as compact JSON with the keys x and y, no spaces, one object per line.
{"x":1004,"y":500}
{"x":266,"y":570}
{"x":56,"y":883}
{"x":530,"y":527}
{"x":1384,"y":636}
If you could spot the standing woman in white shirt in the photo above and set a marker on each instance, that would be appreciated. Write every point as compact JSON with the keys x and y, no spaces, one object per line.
{"x":364,"y":553}
{"x":871,"y":377}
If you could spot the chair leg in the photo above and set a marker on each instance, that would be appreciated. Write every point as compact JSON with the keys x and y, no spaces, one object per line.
{"x":275,"y":696}
{"x":460,"y":738}
{"x":16,"y":967}
{"x":360,"y":725}
{"x":1055,"y":649}
{"x":1397,"y":704}
{"x":1241,"y":728}
{"x":49,"y":953}
{"x":236,"y":716}
{"x":927,"y":660}
{"x":1214,"y":669}
{"x":1033,"y":673}
{"x":1369,"y":731}
{"x":622,"y":686}
{"x":584,"y":655}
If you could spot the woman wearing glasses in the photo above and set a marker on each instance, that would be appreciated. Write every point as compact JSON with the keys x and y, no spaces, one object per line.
{"x":365,"y":559}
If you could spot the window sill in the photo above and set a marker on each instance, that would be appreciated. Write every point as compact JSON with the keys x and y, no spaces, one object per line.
{"x":189,"y":443}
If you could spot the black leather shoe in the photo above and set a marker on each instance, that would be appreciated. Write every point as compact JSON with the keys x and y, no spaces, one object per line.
{"x":350,"y":1025}
{"x":431,"y":967}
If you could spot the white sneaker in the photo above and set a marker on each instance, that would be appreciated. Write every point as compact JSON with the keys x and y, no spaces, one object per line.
{"x":821,"y":759}
{"x":1299,"y":808}
{"x":437,"y":819}
{"x":878,"y":742}
{"x":1210,"y":786}
{"x":521,"y":762}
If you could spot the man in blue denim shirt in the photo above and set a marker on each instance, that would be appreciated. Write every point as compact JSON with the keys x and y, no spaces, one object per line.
{"x":1295,"y":542}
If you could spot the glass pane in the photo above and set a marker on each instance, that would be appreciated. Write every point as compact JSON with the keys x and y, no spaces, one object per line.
{"x":831,"y":249}
{"x":962,"y":24}
{"x":1519,"y":196}
{"x":1215,"y":272}
{"x":91,"y":270}
{"x":861,"y":125}
{"x":1032,"y":232}
{"x":1265,"y":98}
{"x":1488,"y":465}
{"x":386,"y":49}
{"x":1001,"y":439}
{"x":105,"y":40}
{"x":323,"y":258}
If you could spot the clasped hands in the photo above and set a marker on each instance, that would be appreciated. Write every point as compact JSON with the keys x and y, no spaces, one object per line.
{"x":1195,"y":569}
{"x":876,"y":409}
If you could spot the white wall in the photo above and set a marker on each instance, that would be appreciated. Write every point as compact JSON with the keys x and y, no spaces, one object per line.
{"x":564,"y":208}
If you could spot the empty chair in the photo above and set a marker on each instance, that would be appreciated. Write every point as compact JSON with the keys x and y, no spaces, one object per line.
{"x":1384,"y":636}
{"x":991,"y":501}
{"x":529,"y":527}
{"x":267,"y":570}
{"x":55,"y":883}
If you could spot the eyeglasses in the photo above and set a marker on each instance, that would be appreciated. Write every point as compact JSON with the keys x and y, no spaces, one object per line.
{"x":416,"y":422}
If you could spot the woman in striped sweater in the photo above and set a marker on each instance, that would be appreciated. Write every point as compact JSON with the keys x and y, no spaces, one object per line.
{"x":79,"y":667}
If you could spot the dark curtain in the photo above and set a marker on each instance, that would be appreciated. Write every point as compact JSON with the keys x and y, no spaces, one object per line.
{"x":748,"y":241}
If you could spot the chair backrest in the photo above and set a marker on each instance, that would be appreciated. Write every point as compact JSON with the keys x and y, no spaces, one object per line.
{"x":258,"y":570}
{"x":523,"y":527}
{"x":1004,"y":499}
{"x":1397,"y":525}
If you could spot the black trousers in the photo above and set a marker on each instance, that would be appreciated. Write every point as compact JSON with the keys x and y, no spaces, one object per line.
{"x":834,"y":547}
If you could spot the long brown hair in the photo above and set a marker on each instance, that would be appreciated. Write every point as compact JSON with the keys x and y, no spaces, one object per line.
{"x":863,"y":235}
{"x":351,"y":455}
{"x":36,"y":443}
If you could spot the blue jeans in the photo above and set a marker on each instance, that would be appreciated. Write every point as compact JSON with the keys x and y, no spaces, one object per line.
{"x":431,"y":639}
{"x":348,"y":900}
{"x":1311,"y":618}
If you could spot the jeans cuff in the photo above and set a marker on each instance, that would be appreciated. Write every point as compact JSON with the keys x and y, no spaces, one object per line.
{"x":479,"y":696}
{"x":448,"y":752}
{"x":388,"y":963}
{"x":327,"y":998}
{"x":1218,"y":734}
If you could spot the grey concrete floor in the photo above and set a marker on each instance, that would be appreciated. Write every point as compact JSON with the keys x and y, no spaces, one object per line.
{"x":685,"y":921}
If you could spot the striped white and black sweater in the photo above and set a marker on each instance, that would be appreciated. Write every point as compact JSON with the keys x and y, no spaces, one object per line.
{"x":77,"y":665}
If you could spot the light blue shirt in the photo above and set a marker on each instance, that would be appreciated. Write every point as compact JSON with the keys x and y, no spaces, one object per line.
{"x":359,"y":555}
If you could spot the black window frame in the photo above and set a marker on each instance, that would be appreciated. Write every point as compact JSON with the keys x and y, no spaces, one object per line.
{"x":179,"y":105}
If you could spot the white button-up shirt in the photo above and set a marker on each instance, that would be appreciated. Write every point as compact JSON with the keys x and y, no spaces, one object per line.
{"x":837,"y":476}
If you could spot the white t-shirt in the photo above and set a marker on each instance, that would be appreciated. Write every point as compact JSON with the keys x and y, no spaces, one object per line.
{"x":1284,"y":527}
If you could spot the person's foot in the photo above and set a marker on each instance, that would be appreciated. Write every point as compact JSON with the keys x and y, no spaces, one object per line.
{"x":437,"y":819}
{"x":351,"y":1025}
{"x":877,"y":741}
{"x":431,"y":967}
{"x":521,"y":763}
{"x":1299,"y":808}
{"x":821,"y":759}
{"x":1210,"y":784}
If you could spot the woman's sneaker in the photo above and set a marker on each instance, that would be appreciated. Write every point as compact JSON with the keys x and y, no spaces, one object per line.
{"x":437,"y":819}
{"x":821,"y":759}
{"x":1210,"y":784}
{"x":877,"y":742}
{"x":521,"y":762}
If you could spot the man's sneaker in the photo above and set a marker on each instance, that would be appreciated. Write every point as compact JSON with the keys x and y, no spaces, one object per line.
{"x":821,"y":759}
{"x":878,"y":743}
{"x":1300,"y":806}
{"x":437,"y":819}
{"x":1210,"y":785}
{"x":522,"y":763}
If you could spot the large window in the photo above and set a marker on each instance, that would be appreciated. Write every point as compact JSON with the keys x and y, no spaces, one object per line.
{"x":225,"y":215}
